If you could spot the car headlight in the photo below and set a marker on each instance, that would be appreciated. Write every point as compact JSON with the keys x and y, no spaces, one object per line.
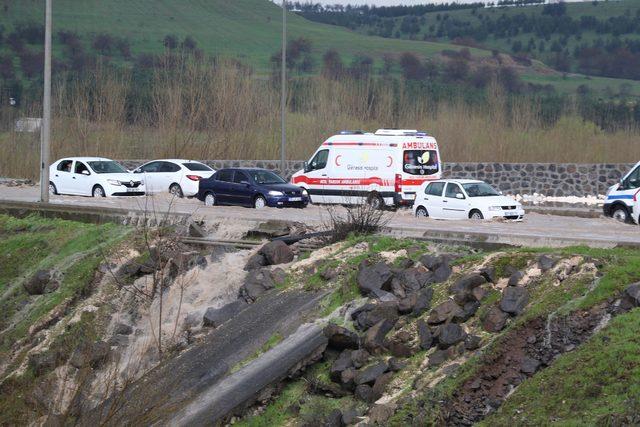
{"x":275,"y":193}
{"x":114,"y":182}
{"x":305,"y":192}
{"x":495,"y":208}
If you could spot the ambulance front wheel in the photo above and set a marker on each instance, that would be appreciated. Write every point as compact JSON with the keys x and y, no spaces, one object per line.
{"x":375,"y":201}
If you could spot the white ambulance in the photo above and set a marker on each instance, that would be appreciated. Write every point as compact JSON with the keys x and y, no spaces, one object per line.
{"x":382,"y":168}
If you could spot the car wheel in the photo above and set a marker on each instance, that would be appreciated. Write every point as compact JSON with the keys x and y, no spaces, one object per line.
{"x":176,"y":190}
{"x":98,"y":191}
{"x":260,"y":202}
{"x":620,"y":214}
{"x":375,"y":201}
{"x":421,"y":212}
{"x":209,"y":199}
{"x":52,"y":188}
{"x":476,"y":214}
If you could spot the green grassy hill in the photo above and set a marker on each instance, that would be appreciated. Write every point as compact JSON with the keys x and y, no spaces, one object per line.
{"x":247,"y":29}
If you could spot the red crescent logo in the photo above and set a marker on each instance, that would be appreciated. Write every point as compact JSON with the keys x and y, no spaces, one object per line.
{"x":337,"y":157}
{"x":390,"y":161}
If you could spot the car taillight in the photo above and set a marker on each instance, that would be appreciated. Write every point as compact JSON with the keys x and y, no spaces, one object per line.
{"x":194,"y":177}
{"x":398,"y":183}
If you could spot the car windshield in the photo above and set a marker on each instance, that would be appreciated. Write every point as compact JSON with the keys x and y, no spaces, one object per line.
{"x":108,"y":166}
{"x":197,"y":167}
{"x":479,"y":189}
{"x":266,"y":177}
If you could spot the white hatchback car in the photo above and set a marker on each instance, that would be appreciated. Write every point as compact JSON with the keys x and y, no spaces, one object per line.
{"x":464,"y":199}
{"x":93,"y":176}
{"x":176,"y":176}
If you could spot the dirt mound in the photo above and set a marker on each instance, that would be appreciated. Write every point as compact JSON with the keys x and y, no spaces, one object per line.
{"x":517,"y":356}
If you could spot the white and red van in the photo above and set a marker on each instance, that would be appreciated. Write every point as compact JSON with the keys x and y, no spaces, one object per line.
{"x":382,"y":168}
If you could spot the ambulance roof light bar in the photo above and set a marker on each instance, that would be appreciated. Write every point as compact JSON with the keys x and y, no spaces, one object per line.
{"x":351,"y":132}
{"x":400,"y":132}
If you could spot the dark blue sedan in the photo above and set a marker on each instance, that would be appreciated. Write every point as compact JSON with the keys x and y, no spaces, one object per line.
{"x":250,"y":187}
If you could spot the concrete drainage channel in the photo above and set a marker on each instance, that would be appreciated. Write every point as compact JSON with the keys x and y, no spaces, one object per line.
{"x":201,"y":386}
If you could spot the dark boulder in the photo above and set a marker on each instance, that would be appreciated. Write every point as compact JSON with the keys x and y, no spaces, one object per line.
{"x":89,"y":354}
{"x":433,"y":262}
{"x":631,"y":296}
{"x":360,"y":357}
{"x":371,"y":373}
{"x":467,"y":283}
{"x":256,"y":283}
{"x":43,"y":281}
{"x":350,"y":416}
{"x":416,"y":302}
{"x":444,"y":312}
{"x":515,"y":278}
{"x":374,"y":277}
{"x":381,"y":383}
{"x":364,"y":392}
{"x":479,"y":293}
{"x":255,"y":261}
{"x":441,"y":274}
{"x":276,"y":252}
{"x":514,"y":300}
{"x":214,"y":317}
{"x":400,"y":349}
{"x":425,"y":337}
{"x":489,"y":273}
{"x":404,"y":262}
{"x":450,"y":334}
{"x":438,"y":357}
{"x":495,"y":320}
{"x":341,"y":338}
{"x":348,"y":378}
{"x":529,"y":365}
{"x":374,"y":338}
{"x":472,"y":342}
{"x":370,"y":314}
{"x":413,"y":279}
{"x":546,"y":263}
{"x":468,"y":310}
{"x":342,"y":363}
{"x":396,"y":365}
{"x":334,"y":419}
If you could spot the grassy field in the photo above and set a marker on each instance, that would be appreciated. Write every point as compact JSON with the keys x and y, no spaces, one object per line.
{"x":250,"y":30}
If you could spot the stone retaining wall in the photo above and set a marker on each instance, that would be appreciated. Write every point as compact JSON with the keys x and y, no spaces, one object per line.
{"x":549,"y":179}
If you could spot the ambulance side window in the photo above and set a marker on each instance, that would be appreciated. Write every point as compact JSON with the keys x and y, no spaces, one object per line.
{"x":633,"y":180}
{"x":319,"y":161}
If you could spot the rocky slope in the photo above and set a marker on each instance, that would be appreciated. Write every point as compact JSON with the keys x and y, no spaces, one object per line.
{"x":368,"y":331}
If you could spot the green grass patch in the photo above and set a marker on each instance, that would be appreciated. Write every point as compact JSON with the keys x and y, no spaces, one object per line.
{"x":517,"y":260}
{"x":34,"y":243}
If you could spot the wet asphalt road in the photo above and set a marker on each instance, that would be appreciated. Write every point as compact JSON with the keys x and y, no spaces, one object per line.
{"x":536,"y":229}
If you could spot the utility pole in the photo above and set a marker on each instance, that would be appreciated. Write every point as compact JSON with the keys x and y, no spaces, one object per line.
{"x":283,"y":100}
{"x":45,"y":126}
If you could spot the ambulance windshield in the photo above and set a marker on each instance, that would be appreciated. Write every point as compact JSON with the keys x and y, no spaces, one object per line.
{"x":420,"y":162}
{"x":266,"y":177}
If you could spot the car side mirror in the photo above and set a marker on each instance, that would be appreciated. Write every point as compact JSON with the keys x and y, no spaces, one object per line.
{"x":139,"y":170}
{"x":305,"y":167}
{"x":459,"y":196}
{"x":500,"y":193}
{"x":85,"y":172}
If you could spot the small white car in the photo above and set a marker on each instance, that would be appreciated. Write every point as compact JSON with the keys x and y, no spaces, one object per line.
{"x":93,"y":176}
{"x":177,"y":176}
{"x":464,"y":199}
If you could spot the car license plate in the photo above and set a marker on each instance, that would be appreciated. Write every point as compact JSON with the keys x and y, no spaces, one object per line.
{"x":131,"y":190}
{"x":295,"y":199}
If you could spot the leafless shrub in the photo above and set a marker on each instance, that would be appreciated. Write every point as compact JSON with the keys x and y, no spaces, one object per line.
{"x":361,"y":218}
